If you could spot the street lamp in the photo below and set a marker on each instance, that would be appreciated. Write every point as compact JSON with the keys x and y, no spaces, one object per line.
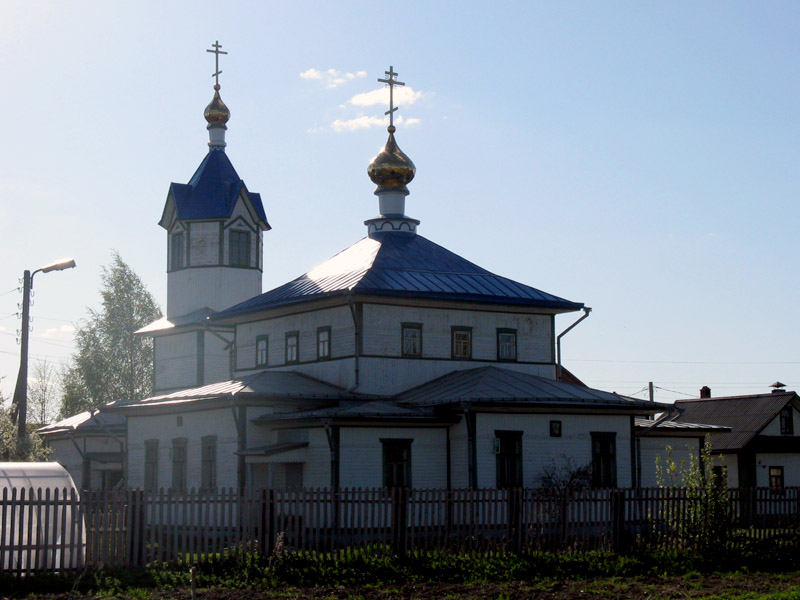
{"x":20,"y":403}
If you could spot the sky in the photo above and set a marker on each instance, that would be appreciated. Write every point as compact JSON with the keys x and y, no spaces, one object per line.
{"x":641,"y":158}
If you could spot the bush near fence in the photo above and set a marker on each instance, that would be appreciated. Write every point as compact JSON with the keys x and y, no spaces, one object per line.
{"x":132,"y":528}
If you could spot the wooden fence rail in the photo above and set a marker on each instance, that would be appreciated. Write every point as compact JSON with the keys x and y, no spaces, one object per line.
{"x":57,"y":530}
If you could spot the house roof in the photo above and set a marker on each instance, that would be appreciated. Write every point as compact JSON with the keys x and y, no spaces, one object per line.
{"x":272,"y":384}
{"x":86,"y":422}
{"x":347,"y":410}
{"x":493,"y":385}
{"x":676,"y":426}
{"x":212,"y":191}
{"x":197,"y":317}
{"x":745,"y":415}
{"x":406,"y":266}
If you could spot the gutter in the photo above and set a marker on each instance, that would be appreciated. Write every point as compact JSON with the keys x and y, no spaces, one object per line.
{"x":586,"y":312}
{"x":357,"y":352}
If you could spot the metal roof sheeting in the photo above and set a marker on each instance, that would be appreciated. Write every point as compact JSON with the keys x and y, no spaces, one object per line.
{"x":675,"y":425}
{"x":402,"y":265}
{"x":745,"y":415}
{"x":86,"y":421}
{"x":495,"y":385}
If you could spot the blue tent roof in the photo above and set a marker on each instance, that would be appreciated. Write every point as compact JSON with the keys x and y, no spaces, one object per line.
{"x":402,"y":265}
{"x":213,"y":190}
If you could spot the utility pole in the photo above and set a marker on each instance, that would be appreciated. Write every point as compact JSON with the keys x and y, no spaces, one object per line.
{"x":20,"y":403}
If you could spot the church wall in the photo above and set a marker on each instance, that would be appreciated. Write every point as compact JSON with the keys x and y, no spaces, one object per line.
{"x":361,"y":456}
{"x":217,"y":358}
{"x":539,"y":450}
{"x":195,"y":425}
{"x":217,"y":288}
{"x":68,"y":456}
{"x":239,"y":214}
{"x":175,"y":360}
{"x":203,"y":243}
{"x":383,"y":332}
{"x":339,"y":319}
{"x":682,"y":451}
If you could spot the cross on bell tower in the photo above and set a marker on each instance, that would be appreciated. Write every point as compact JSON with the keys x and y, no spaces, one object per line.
{"x":391,"y":81}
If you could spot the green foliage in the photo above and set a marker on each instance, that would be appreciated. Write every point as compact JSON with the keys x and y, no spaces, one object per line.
{"x":111,"y":363}
{"x":702,"y":520}
{"x":29,"y":449}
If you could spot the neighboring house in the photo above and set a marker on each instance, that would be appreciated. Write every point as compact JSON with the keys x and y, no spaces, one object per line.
{"x":91,"y":447}
{"x":762,"y":447}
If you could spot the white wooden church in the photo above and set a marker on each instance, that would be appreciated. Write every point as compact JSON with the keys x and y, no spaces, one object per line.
{"x":396,"y":362}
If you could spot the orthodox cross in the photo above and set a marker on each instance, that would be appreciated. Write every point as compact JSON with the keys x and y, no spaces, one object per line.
{"x":216,"y":51}
{"x":391,"y":81}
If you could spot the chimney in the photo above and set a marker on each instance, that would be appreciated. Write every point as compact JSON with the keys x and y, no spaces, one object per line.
{"x":705,"y":392}
{"x":777,"y":387}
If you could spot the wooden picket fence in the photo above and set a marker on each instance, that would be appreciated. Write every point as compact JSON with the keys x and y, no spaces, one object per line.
{"x":44,"y":530}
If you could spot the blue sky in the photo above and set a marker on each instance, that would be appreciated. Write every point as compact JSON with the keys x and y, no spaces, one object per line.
{"x":641,"y":158}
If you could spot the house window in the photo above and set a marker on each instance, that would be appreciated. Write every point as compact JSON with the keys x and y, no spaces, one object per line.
{"x":787,"y":423}
{"x":323,"y":343}
{"x":208,"y":462}
{"x":508,"y":453}
{"x":555,"y":428}
{"x":462,"y":342}
{"x":776,"y":479}
{"x":396,"y":462}
{"x":604,"y":459}
{"x":239,"y":248}
{"x":293,"y":473}
{"x":176,"y":249}
{"x":412,"y":339}
{"x":507,"y":344}
{"x":151,"y":465}
{"x":179,"y":464}
{"x":262,"y":342}
{"x":719,"y":476}
{"x":292,"y":346}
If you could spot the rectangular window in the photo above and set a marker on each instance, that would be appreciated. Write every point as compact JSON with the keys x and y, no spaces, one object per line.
{"x":323,"y":343}
{"x":262,"y":343}
{"x":208,"y":462}
{"x":507,"y":344}
{"x":396,"y":462}
{"x":508,"y":454}
{"x":176,"y":251}
{"x":555,"y":428}
{"x":151,"y":465}
{"x":239,"y":248}
{"x":462,"y":342}
{"x":776,"y":479}
{"x":293,"y":473}
{"x":292,"y":347}
{"x":179,"y":464}
{"x":412,"y":339}
{"x":787,"y":423}
{"x":604,"y":459}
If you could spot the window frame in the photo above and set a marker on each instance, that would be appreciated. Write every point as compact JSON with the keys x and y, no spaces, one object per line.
{"x":259,"y":339}
{"x":320,"y":354}
{"x":238,"y":248}
{"x":404,"y":327}
{"x":508,"y":459}
{"x":150,"y":483}
{"x":455,"y":330}
{"x":776,"y":479}
{"x":604,"y":476}
{"x":180,"y":460}
{"x":208,"y":463}
{"x":389,"y":474}
{"x":556,"y":428}
{"x":787,"y":420}
{"x":176,"y":251}
{"x":296,"y":358}
{"x":501,"y":331}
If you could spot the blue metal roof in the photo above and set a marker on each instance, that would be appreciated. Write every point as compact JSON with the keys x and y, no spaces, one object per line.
{"x":213,"y":190}
{"x":402,"y":265}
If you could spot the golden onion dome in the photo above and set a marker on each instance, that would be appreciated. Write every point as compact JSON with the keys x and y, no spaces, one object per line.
{"x":391,"y":169}
{"x":216,"y":113}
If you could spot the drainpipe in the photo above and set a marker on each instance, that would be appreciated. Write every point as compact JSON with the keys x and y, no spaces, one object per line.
{"x":586,"y":311}
{"x":357,"y":342}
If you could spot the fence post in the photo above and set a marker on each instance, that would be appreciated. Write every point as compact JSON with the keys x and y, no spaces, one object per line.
{"x":515,"y":519}
{"x":617,"y":519}
{"x":564,"y":513}
{"x":399,"y":521}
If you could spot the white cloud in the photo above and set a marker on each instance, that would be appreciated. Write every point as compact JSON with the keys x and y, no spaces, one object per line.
{"x":331,"y":78}
{"x":362,"y":122}
{"x":58,"y":332}
{"x":403,"y":96}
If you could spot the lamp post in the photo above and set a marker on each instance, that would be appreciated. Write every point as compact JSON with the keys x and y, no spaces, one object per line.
{"x":20,"y":403}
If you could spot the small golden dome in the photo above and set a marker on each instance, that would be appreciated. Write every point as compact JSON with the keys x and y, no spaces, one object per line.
{"x":391,"y":169}
{"x":216,"y":113}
